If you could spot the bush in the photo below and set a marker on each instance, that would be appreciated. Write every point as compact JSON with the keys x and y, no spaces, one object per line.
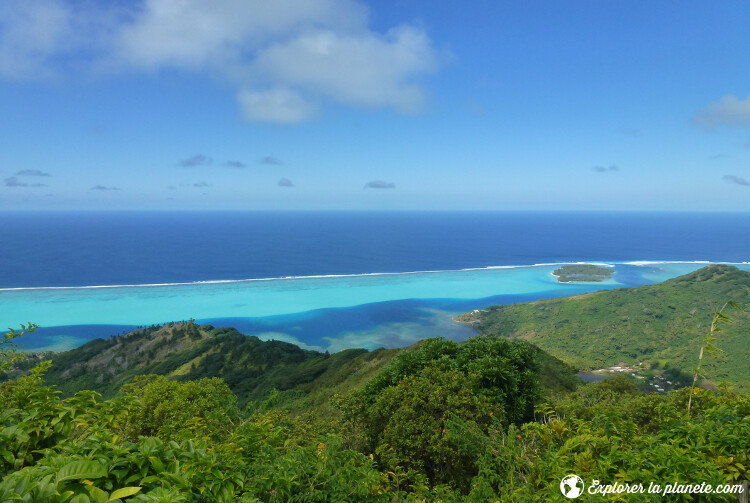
{"x":169,"y":410}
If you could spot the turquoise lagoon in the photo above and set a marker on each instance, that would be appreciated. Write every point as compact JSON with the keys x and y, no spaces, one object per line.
{"x":319,"y":312}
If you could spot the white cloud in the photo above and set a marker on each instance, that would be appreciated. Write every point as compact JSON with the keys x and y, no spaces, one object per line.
{"x":363,"y":69}
{"x":30,"y":32}
{"x":43,"y":38}
{"x":286,"y":58}
{"x":196,"y":33}
{"x":276,"y":105}
{"x":728,"y":111}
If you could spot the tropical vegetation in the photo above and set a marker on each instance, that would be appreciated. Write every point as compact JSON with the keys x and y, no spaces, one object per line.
{"x":489,"y":419}
{"x":654,"y":325}
{"x":582,"y":272}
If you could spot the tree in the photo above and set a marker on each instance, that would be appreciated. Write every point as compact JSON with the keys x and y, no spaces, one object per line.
{"x":9,"y":349}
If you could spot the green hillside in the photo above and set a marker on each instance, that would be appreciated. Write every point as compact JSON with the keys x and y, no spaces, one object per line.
{"x":663,"y":322}
{"x":439,"y":422}
{"x":185,"y":351}
{"x":275,"y":373}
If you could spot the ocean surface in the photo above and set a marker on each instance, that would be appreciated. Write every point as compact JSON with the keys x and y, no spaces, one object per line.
{"x":327,"y":280}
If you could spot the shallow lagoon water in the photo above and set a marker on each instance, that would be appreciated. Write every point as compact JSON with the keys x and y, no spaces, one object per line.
{"x":324,"y":313}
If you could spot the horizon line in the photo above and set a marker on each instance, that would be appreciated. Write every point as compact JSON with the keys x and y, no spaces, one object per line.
{"x":339,"y":210}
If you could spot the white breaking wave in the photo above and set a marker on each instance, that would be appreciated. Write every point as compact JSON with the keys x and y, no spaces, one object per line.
{"x":657,"y":262}
{"x":368,"y":274}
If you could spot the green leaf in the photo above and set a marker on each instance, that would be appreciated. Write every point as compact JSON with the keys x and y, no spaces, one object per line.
{"x":225,"y":494}
{"x":8,"y":457}
{"x":156,"y":463}
{"x":734,"y":305}
{"x":124,"y":493}
{"x":83,"y":469}
{"x":721,"y":318}
{"x":97,"y":494}
{"x":80,"y":498}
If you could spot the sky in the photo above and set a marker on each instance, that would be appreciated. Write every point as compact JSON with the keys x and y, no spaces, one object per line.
{"x":388,"y":105}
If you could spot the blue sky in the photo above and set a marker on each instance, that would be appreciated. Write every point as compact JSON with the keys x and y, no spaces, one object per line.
{"x":398,"y":104}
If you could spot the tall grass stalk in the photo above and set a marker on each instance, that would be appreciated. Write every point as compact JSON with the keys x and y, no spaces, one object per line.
{"x":709,"y":345}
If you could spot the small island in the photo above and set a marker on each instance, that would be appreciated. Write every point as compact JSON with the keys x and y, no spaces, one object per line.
{"x":582,"y":272}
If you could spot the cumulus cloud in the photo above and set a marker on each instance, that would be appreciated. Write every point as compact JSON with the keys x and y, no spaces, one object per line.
{"x":728,"y":111}
{"x":30,"y":33}
{"x":32,"y":172}
{"x":280,"y":105}
{"x":195,"y":160}
{"x":14,"y":182}
{"x":377,"y":184}
{"x":193,"y":33}
{"x":285,"y":182}
{"x":104,"y":188}
{"x":235,"y":164}
{"x":364,"y":69}
{"x":736,"y":179}
{"x":286,"y":59}
{"x":43,"y":38}
{"x":271,"y":161}
{"x":605,"y":169}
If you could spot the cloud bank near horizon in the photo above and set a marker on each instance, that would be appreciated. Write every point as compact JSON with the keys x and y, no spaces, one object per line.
{"x":728,"y":111}
{"x":605,"y":169}
{"x":736,"y":180}
{"x":379,"y":184}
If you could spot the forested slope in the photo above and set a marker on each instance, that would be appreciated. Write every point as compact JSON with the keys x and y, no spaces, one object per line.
{"x":666,"y":321}
{"x":441,"y":422}
{"x":185,"y":351}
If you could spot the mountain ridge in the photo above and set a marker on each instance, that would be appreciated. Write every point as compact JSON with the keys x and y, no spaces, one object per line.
{"x":186,"y":351}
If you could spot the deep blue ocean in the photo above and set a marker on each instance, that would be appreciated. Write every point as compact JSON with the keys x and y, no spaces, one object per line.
{"x":105,"y":248}
{"x":195,"y":256}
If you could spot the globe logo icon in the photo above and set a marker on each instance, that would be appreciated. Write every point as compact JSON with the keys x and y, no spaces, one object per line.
{"x":571,"y":486}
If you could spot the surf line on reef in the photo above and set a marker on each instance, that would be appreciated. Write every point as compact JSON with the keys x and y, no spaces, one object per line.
{"x":640,"y":263}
